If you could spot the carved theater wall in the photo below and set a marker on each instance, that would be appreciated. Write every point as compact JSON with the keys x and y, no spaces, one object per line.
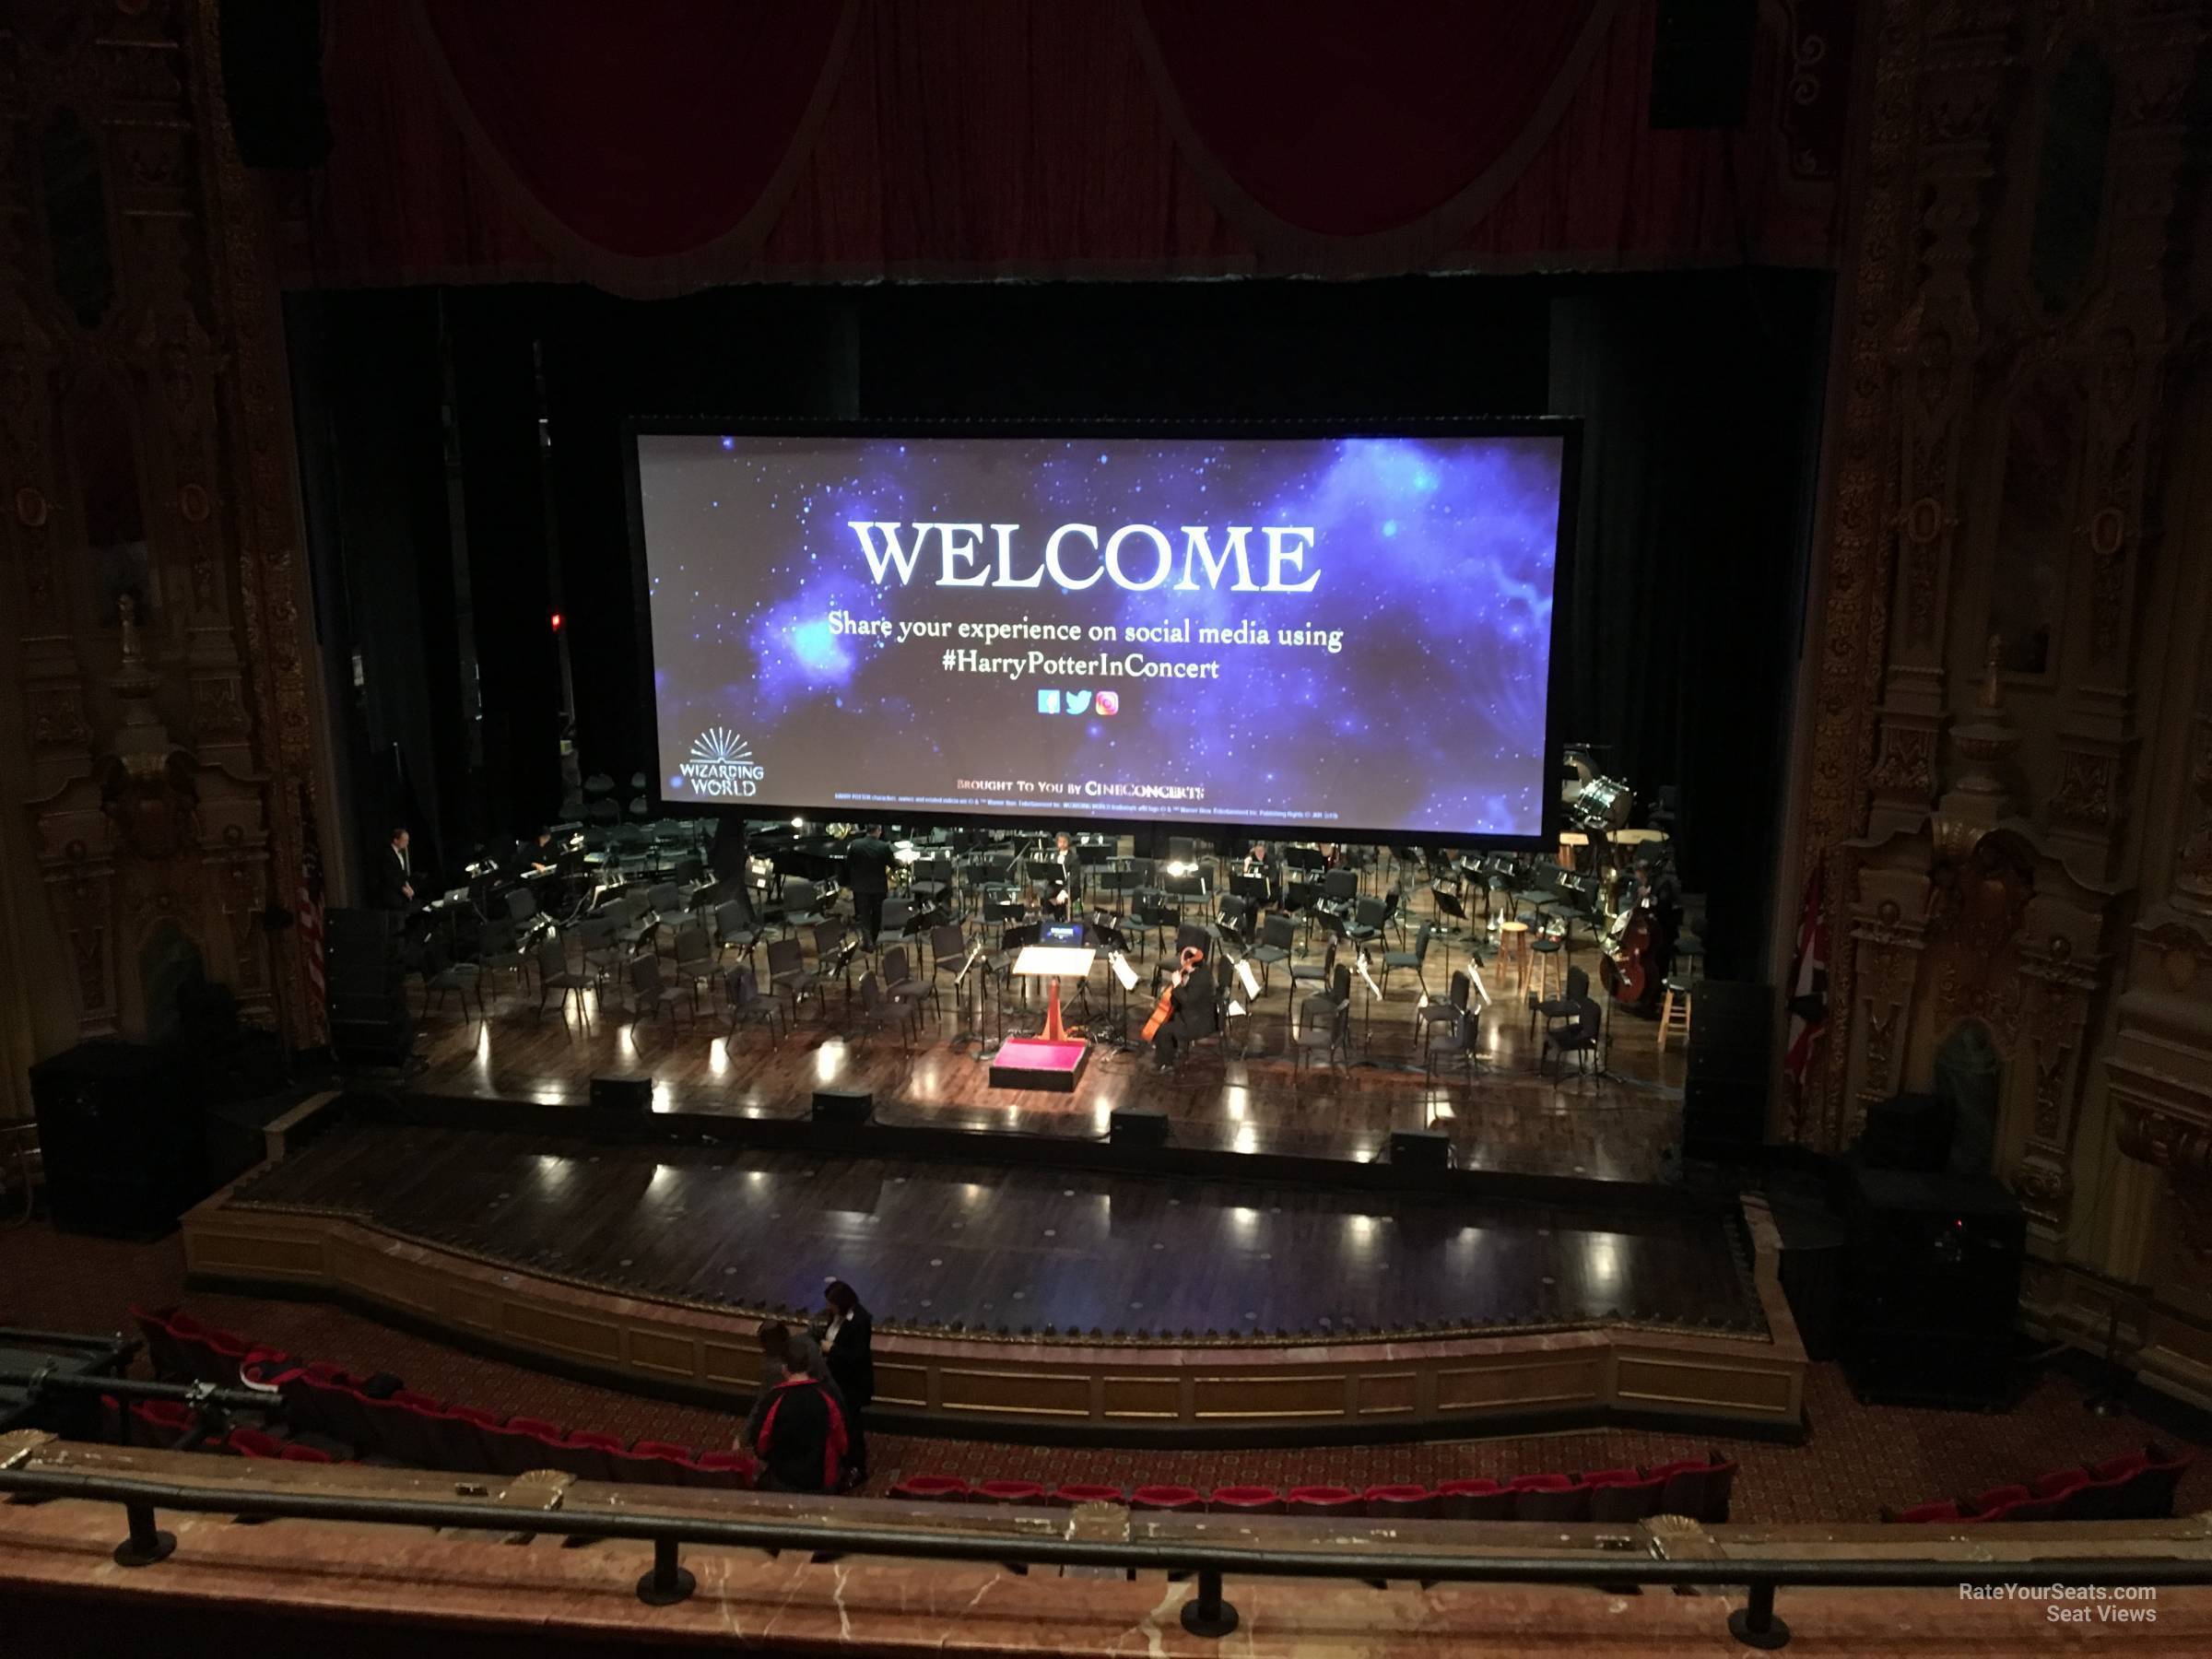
{"x":156,"y":743}
{"x":2007,"y":785}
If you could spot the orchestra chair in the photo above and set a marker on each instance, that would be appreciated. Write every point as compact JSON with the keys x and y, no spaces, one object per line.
{"x":877,"y":1011}
{"x":900,"y":985}
{"x":1460,"y":1044}
{"x":1278,"y":939}
{"x":1452,"y":1007}
{"x":1316,"y":974}
{"x":748,"y":1006}
{"x":445,"y":976}
{"x":734,"y":929}
{"x":1674,"y":1010}
{"x":498,"y":948}
{"x":695,"y":962}
{"x":649,"y":993}
{"x":898,"y":912}
{"x":1416,"y":958}
{"x":800,"y":901}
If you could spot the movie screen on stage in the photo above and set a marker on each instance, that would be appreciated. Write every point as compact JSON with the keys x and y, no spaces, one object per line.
{"x":1346,"y":632}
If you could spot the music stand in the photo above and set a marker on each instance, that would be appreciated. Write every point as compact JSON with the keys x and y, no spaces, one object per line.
{"x":960,"y":990}
{"x":1119,"y":975}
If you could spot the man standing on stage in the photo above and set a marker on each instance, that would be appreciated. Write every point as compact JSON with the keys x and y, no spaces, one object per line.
{"x":396,"y":874}
{"x":868,"y":873}
{"x":1068,"y":892}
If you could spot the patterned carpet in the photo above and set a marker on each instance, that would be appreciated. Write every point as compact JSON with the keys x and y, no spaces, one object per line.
{"x":1858,"y":1458}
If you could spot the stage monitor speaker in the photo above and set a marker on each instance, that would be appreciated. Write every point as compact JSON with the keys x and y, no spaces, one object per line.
{"x":1933,"y":1285}
{"x":1138,"y":1126}
{"x":1729,"y":1071}
{"x":272,"y":57}
{"x":623,"y":1094}
{"x":371,"y":1023}
{"x":1701,"y":52}
{"x":1907,"y":1132}
{"x":121,"y":1135}
{"x":1420,"y":1149}
{"x":849,"y":1106}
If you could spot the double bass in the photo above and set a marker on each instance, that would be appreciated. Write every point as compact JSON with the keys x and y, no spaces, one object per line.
{"x":1629,"y":970}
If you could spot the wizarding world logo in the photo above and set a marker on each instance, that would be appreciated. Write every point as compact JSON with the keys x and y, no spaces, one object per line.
{"x":721,"y":764}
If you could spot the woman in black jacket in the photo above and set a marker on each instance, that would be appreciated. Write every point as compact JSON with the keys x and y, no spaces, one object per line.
{"x":848,"y":1346}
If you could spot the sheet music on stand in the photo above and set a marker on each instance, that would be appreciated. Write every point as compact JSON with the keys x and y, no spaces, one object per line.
{"x":1124,"y":974}
{"x":1249,"y":981}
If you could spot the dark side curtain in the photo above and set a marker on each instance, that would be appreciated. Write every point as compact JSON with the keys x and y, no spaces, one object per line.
{"x":1683,"y":611}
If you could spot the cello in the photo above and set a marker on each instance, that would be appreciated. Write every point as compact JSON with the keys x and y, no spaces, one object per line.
{"x":1164,"y":1009}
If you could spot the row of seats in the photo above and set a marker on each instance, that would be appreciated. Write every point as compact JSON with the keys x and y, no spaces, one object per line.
{"x":2137,"y":1486}
{"x":416,"y":1430}
{"x":163,"y":1424}
{"x":1698,"y":1488}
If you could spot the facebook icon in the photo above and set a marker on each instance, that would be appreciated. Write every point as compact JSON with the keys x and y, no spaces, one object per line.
{"x":1048,"y":702}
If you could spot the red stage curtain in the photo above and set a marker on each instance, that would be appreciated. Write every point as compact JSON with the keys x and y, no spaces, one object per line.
{"x":1350,"y":120}
{"x":647,"y":129}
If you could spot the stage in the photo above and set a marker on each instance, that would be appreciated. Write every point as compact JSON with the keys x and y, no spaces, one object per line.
{"x":1502,"y":1117}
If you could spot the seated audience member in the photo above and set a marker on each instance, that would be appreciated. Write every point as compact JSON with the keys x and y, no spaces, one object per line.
{"x":802,"y":1440}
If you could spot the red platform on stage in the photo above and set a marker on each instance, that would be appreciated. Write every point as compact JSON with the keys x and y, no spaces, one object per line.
{"x":1038,"y":1062}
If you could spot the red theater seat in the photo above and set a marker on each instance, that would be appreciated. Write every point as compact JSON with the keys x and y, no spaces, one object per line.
{"x":648,"y":1468}
{"x":586,"y":1454}
{"x":1623,"y":1499}
{"x":161,"y":1345}
{"x":1549,"y":1497}
{"x":293,"y":1454}
{"x":331,"y":1408}
{"x":401,"y":1430}
{"x":159,"y":1423}
{"x":725,"y":1469}
{"x":1699,"y":1491}
{"x":1475,"y":1498}
{"x":538,"y":1426}
{"x":1246,"y":1501}
{"x":2148,"y":1494}
{"x":253,"y":1443}
{"x":1400,"y":1502}
{"x":1323,"y":1501}
{"x":512,"y":1449}
{"x":1069,"y":1493}
{"x":1009,"y":1491}
{"x":2118,"y":1468}
{"x":1167,"y":1497}
{"x":1942,"y":1509}
{"x":653,"y":1448}
{"x":931,"y":1488}
{"x":2058,"y":1482}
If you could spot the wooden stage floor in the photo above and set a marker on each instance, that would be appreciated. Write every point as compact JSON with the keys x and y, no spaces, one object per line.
{"x":1505,"y":1117}
{"x":1021,"y":1247}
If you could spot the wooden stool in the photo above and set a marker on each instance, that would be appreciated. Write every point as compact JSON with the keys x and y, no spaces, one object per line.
{"x":1674,"y":1010}
{"x":1512,"y":950}
{"x":1549,"y":955}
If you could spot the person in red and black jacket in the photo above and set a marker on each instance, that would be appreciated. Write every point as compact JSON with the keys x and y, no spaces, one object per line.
{"x":802,"y":1440}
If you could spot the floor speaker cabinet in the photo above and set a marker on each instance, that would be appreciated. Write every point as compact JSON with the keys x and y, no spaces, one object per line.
{"x":371,"y":1023}
{"x":123,"y":1139}
{"x":1420,"y":1149}
{"x":850,"y":1107}
{"x":1730,"y":1068}
{"x":1138,"y":1127}
{"x":1933,"y":1286}
{"x":1908,"y":1132}
{"x":623,"y":1094}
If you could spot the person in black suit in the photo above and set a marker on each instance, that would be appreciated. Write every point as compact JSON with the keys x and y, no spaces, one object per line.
{"x":848,"y":1348}
{"x":394,"y":884}
{"x":1192,"y":998}
{"x":869,"y":874}
{"x":802,"y":1440}
{"x":1068,"y":892}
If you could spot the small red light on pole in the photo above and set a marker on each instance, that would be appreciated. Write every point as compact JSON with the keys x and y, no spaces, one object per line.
{"x":557,"y":622}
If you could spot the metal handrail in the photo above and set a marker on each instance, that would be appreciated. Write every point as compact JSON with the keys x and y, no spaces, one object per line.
{"x":1208,"y":1614}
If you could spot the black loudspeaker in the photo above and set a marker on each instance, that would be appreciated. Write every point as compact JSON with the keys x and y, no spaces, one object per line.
{"x":1933,"y":1286}
{"x":849,"y":1106}
{"x":1701,"y":63}
{"x":1730,"y":1068}
{"x":1420,"y":1149}
{"x":272,"y":53}
{"x":121,"y":1133}
{"x":1908,"y":1132}
{"x":1138,"y":1126}
{"x":371,"y":1023}
{"x":623,"y":1094}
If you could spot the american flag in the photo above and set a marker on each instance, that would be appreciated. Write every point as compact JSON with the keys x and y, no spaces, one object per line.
{"x":311,"y":917}
{"x":1808,"y":984}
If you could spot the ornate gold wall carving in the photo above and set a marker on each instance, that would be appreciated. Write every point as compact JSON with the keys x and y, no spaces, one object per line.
{"x":159,"y":766}
{"x":2027,"y":851}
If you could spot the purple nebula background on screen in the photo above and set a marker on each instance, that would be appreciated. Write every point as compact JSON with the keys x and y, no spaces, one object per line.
{"x":781,"y":674}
